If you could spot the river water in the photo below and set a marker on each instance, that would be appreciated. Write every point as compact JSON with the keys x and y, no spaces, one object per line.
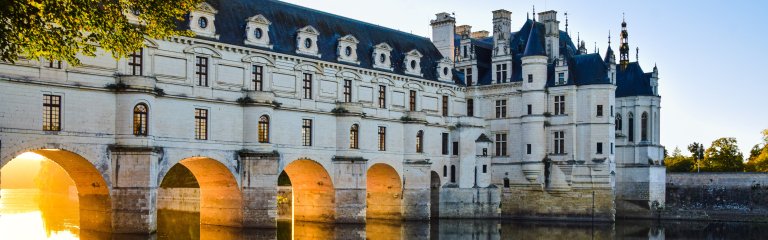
{"x":27,"y":214}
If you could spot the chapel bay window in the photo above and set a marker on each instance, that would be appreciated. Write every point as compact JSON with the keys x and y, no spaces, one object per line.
{"x":631,"y":127}
{"x":644,"y":127}
{"x":412,"y":100}
{"x":264,"y":129}
{"x":136,"y":62}
{"x":306,"y":132}
{"x":140,"y":120}
{"x":354,"y":137}
{"x":382,"y":138}
{"x":501,"y":108}
{"x":559,"y":105}
{"x":618,"y":123}
{"x":307,"y":86}
{"x":382,"y":96}
{"x":559,"y":146}
{"x":258,"y":78}
{"x":51,"y":113}
{"x":201,"y":71}
{"x":201,"y":124}
{"x":347,"y":90}
{"x":420,"y":142}
{"x":501,"y":144}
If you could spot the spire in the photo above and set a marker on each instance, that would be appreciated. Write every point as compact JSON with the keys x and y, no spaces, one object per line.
{"x":534,"y":13}
{"x":566,"y":24}
{"x":609,"y":38}
{"x":637,"y":54}
{"x":535,"y":47}
{"x":609,"y":56}
{"x":595,"y":47}
{"x":624,"y":48}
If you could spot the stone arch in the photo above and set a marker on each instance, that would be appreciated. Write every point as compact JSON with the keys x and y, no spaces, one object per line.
{"x":313,"y":193}
{"x":384,"y":192}
{"x":94,"y":200}
{"x":202,"y":49}
{"x":259,"y":58}
{"x":220,"y":196}
{"x":348,"y":74}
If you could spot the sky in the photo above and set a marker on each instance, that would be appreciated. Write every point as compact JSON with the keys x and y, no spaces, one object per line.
{"x":710,"y":53}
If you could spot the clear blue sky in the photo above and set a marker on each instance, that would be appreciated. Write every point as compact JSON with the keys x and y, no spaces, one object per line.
{"x":712,"y":55}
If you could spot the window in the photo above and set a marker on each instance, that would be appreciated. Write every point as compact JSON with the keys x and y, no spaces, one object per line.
{"x":530,"y":78}
{"x":644,"y":127}
{"x":501,"y":73}
{"x":611,"y":110}
{"x":51,"y":113}
{"x":264,"y":129}
{"x":445,"y":106}
{"x":560,"y":78}
{"x":501,"y":108}
{"x":559,"y":105}
{"x":631,"y":126}
{"x":136,"y":62}
{"x":306,"y":132}
{"x":140,"y":119}
{"x":471,"y":107}
{"x":469,"y":77}
{"x":382,"y":138}
{"x":445,"y":170}
{"x":201,"y":72}
{"x":599,"y":148}
{"x":201,"y":124}
{"x":453,"y":173}
{"x":618,"y":122}
{"x":420,"y":141}
{"x":559,"y":142}
{"x":455,"y":148}
{"x":354,"y":136}
{"x":382,"y":96}
{"x":465,"y":51}
{"x":347,"y":90}
{"x":528,"y":148}
{"x":599,"y":110}
{"x":530,"y":109}
{"x":307,"y":86}
{"x":54,"y":64}
{"x":485,"y":168}
{"x":202,"y":22}
{"x":412,"y":100}
{"x":258,"y":78}
{"x":445,"y":143}
{"x":501,"y":144}
{"x":611,"y":148}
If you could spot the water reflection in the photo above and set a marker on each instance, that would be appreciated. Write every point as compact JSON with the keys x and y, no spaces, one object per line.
{"x":28,"y":214}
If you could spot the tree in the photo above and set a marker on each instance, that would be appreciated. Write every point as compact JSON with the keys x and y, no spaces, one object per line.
{"x":723,"y":156}
{"x":758,"y":156}
{"x":678,"y":162}
{"x":60,"y":29}
{"x":697,"y":153}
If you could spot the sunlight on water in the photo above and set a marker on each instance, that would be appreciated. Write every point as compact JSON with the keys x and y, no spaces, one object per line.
{"x":24,"y":216}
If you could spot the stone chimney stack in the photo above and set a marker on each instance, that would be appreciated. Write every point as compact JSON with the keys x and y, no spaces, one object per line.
{"x":552,"y":33}
{"x":502,"y":28}
{"x":465,"y":31}
{"x":443,"y":30}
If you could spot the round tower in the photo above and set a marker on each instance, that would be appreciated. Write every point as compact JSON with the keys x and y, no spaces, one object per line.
{"x":534,"y":96}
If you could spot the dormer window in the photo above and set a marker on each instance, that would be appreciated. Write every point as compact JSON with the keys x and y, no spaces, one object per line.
{"x":202,"y":19}
{"x":347,"y":49}
{"x":413,"y":59}
{"x":257,"y":31}
{"x":444,"y":72}
{"x":305,"y":41}
{"x":382,"y":52}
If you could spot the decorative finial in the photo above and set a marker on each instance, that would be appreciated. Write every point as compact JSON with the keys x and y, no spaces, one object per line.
{"x":578,"y":37}
{"x":534,"y":12}
{"x":527,"y":16}
{"x":566,"y":24}
{"x":637,"y":54}
{"x":595,"y":47}
{"x":609,"y":37}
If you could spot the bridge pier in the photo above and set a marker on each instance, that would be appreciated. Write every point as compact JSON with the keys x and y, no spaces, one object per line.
{"x":416,"y":191}
{"x":258,"y":179}
{"x":134,"y":189}
{"x":350,"y":183}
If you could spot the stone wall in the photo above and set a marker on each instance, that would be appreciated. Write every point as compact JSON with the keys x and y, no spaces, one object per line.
{"x":179,"y":199}
{"x":469,"y":203}
{"x":534,"y":203}
{"x":717,"y":196}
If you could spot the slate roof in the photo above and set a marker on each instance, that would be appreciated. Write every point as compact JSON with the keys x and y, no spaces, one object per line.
{"x":287,"y":18}
{"x":632,"y":81}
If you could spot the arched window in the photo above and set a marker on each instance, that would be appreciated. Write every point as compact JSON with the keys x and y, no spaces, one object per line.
{"x":644,"y":127}
{"x":353,"y":136}
{"x":445,"y":170}
{"x":631,"y":130}
{"x":420,"y":141}
{"x":264,"y":129}
{"x":453,"y":173}
{"x":140,"y":119}
{"x":618,"y":122}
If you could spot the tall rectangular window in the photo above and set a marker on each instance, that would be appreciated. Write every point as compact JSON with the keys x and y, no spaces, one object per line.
{"x":201,"y":71}
{"x":599,"y":148}
{"x":445,"y":106}
{"x":445,"y":144}
{"x":307,"y":86}
{"x":530,"y":78}
{"x":306,"y":132}
{"x":258,"y":78}
{"x":382,"y":138}
{"x":471,"y":107}
{"x":501,"y":73}
{"x":382,"y":96}
{"x":455,"y":148}
{"x":136,"y":62}
{"x":559,"y":105}
{"x":468,"y":77}
{"x":412,"y":100}
{"x":599,"y":110}
{"x":559,"y":142}
{"x":530,"y":109}
{"x":201,"y":124}
{"x":51,"y":113}
{"x":501,"y":144}
{"x":611,"y":148}
{"x":501,"y":108}
{"x":528,"y":149}
{"x":347,"y":90}
{"x":560,"y":78}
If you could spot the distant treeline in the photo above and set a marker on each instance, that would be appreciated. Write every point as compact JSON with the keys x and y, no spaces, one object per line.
{"x":723,"y":155}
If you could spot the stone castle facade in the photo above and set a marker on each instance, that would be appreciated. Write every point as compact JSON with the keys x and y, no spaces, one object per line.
{"x":517,"y":124}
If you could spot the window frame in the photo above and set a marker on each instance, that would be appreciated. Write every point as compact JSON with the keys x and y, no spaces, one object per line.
{"x":306,"y":132}
{"x":445,"y":105}
{"x":354,"y":136}
{"x":201,"y":123}
{"x":560,"y":105}
{"x":52,"y":106}
{"x":599,"y":148}
{"x":140,"y":120}
{"x":471,"y":107}
{"x":307,"y":85}
{"x":559,"y":143}
{"x":468,"y":77}
{"x":347,"y":90}
{"x":258,"y":77}
{"x":263,"y":128}
{"x":136,"y":62}
{"x":500,"y":145}
{"x":501,"y":108}
{"x":382,"y":138}
{"x":382,"y":96}
{"x":599,"y":110}
{"x":420,"y":141}
{"x":201,"y":70}
{"x":445,"y":140}
{"x":412,"y":100}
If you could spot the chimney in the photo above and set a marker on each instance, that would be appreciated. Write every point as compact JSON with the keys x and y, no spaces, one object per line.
{"x":552,"y":33}
{"x":465,"y":31}
{"x":480,"y":34}
{"x":501,"y":26}
{"x":443,"y":31}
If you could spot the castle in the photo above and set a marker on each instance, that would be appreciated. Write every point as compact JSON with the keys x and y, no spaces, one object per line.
{"x":365,"y":121}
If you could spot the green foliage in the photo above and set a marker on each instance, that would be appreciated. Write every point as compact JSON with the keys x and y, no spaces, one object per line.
{"x":678,"y":162}
{"x":723,"y":156}
{"x":62,"y":29}
{"x":697,"y":151}
{"x":758,"y":156}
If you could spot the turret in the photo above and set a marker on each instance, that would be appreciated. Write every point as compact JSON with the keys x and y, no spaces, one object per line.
{"x":443,"y":30}
{"x":655,"y":80}
{"x":534,"y":98}
{"x":551,"y":33}
{"x":610,"y":60}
